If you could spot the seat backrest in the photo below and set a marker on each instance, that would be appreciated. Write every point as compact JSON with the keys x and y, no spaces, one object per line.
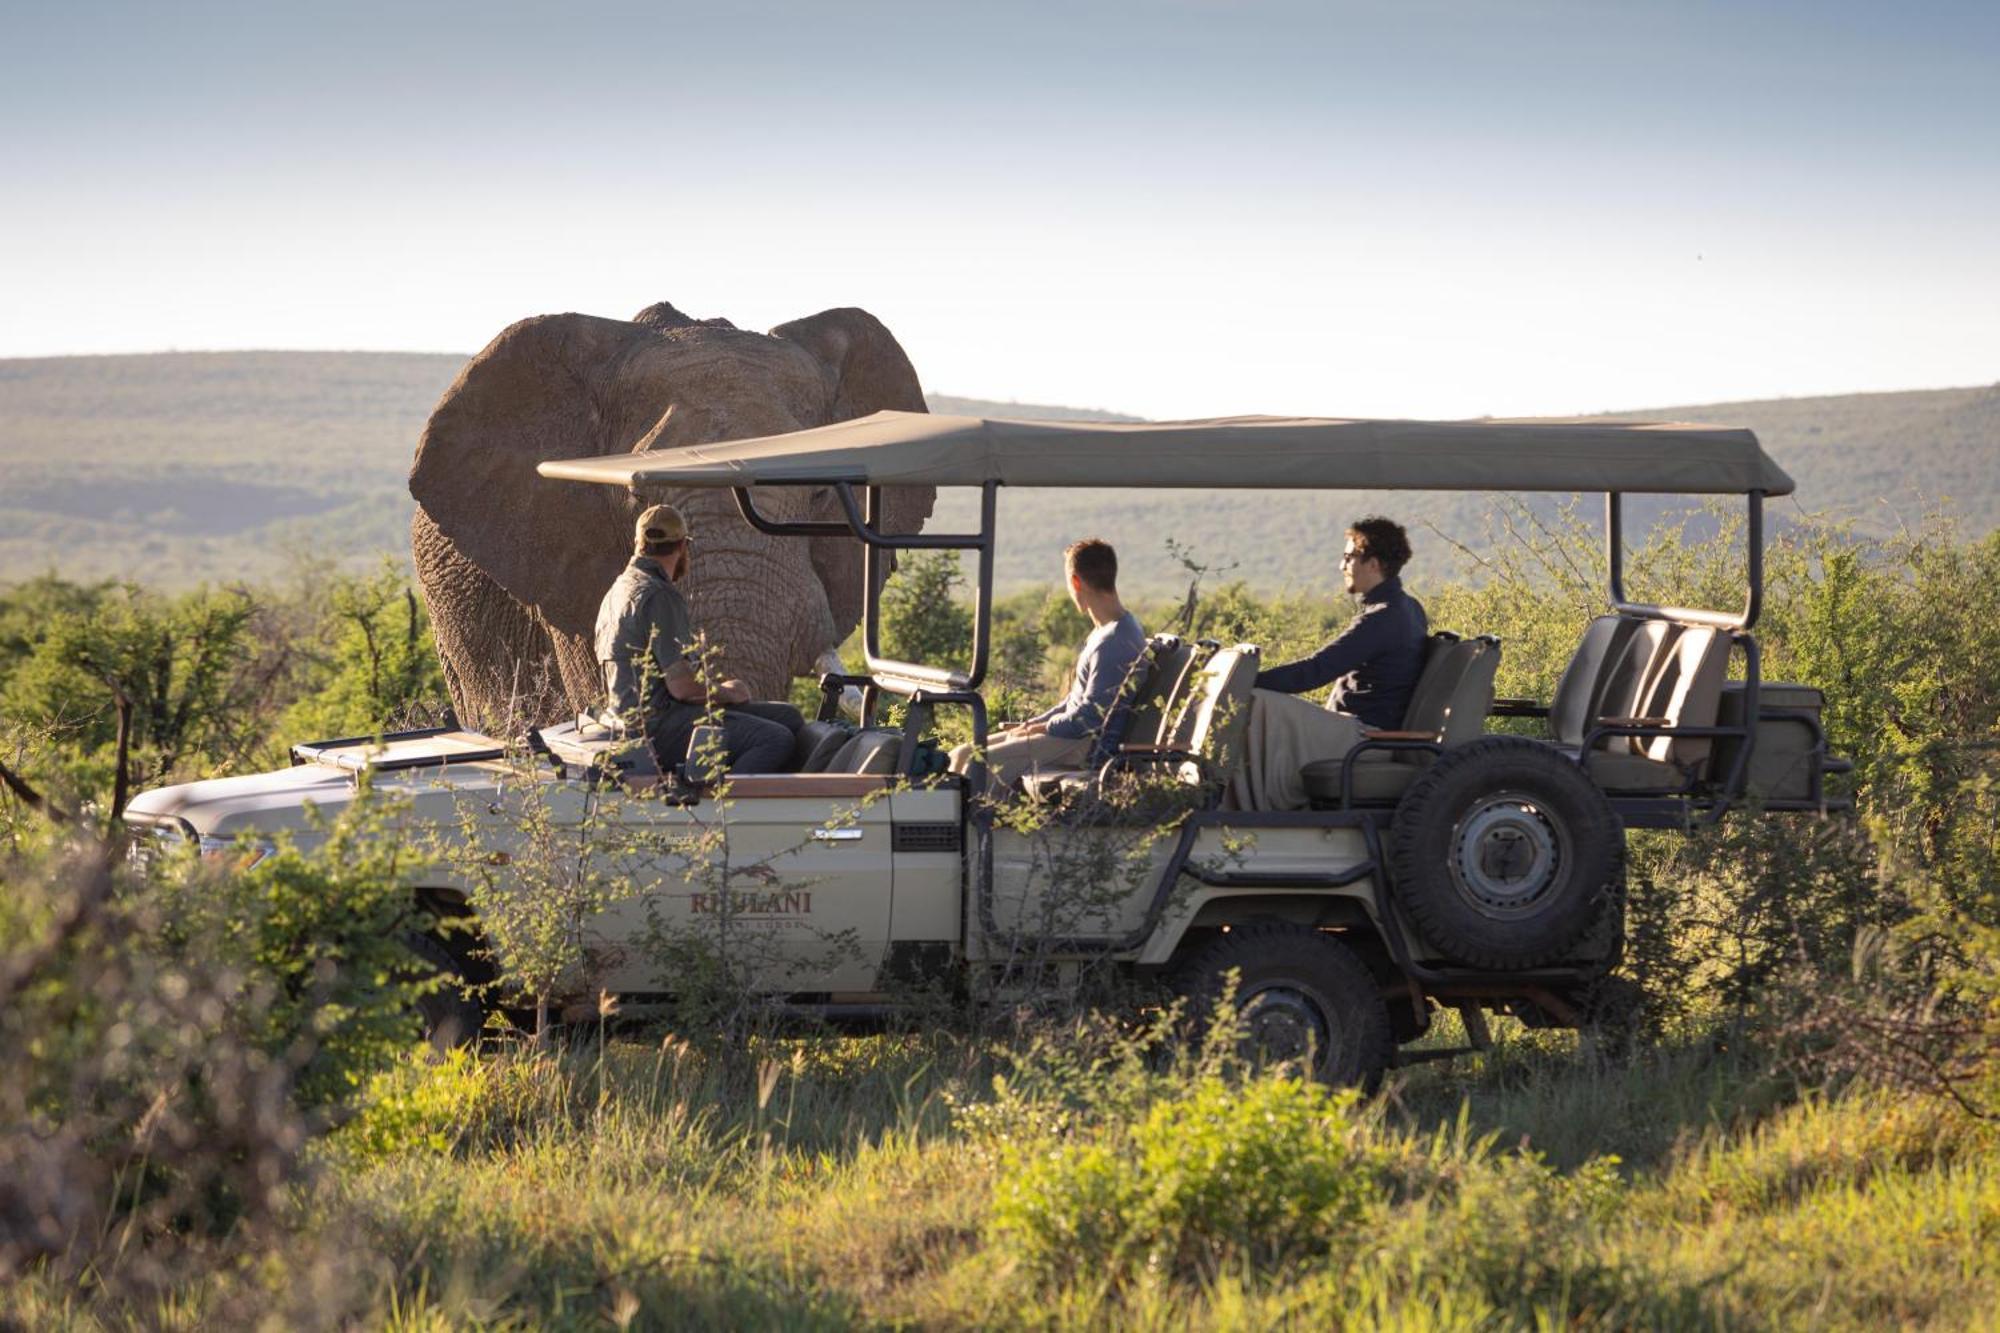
{"x":1455,"y":692}
{"x":1685,"y":688}
{"x":817,"y":745}
{"x":1579,"y":696}
{"x":1184,"y":703}
{"x":1628,"y":680}
{"x":1430,"y":700}
{"x":1221,"y":711}
{"x":871,"y":752}
{"x":1171,"y":660}
{"x":1471,"y":699}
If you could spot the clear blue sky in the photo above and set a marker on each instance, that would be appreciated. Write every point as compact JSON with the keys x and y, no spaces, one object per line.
{"x":1424,"y":208}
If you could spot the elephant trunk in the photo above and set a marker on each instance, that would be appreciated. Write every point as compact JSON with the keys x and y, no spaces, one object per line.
{"x":757,"y":599}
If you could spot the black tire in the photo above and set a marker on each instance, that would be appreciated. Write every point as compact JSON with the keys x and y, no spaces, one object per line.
{"x":452,"y":1015}
{"x":1505,"y":854}
{"x":1298,"y":990}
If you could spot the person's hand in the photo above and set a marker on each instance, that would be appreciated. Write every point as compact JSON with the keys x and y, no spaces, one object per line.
{"x":732,"y":692}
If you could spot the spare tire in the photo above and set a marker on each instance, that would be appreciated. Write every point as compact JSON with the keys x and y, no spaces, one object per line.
{"x":1505,"y":854}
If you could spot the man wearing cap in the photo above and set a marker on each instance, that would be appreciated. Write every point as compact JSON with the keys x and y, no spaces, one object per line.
{"x":644,"y":642}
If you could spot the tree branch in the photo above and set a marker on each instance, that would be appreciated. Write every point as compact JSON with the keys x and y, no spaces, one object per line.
{"x":31,"y":798}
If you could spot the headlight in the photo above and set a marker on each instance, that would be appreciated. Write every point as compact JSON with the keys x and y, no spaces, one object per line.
{"x":232,"y":854}
{"x":150,"y":841}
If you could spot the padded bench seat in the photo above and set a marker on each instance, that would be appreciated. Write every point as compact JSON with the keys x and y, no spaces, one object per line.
{"x":1454,"y":694}
{"x":1376,"y":778}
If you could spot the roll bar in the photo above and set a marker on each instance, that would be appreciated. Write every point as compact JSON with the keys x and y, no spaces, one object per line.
{"x":863,"y":520}
{"x":1753,"y":604}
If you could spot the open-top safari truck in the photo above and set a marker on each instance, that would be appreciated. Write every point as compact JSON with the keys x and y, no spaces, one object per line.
{"x":1438,"y":865}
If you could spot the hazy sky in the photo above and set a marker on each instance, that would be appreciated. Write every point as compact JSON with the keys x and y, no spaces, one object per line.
{"x":1424,"y":208}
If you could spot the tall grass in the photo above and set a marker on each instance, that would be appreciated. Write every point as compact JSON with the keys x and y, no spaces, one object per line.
{"x":843,"y":1185}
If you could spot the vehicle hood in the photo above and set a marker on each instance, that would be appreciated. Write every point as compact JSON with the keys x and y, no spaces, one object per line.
{"x":224,"y":806}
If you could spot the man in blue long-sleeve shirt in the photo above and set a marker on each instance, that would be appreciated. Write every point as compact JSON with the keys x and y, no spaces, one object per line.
{"x":1090,"y":721}
{"x":1373,"y":666}
{"x":1375,"y":662}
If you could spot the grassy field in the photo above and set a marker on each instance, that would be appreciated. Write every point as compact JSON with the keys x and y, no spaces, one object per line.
{"x":877,"y":1182}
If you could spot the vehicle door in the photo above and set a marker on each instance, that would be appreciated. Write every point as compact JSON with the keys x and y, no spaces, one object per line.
{"x":784,"y":879}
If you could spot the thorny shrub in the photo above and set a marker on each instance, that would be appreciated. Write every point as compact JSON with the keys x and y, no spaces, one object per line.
{"x":171,"y":1039}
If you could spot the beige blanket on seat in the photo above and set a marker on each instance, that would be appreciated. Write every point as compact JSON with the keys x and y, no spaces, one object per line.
{"x":1283,"y":734}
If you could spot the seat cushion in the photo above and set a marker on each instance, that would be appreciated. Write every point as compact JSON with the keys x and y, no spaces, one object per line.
{"x":1615,"y":771}
{"x":1377,"y":777}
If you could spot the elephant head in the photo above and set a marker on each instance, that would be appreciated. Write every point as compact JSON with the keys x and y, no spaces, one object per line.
{"x":513,"y":565}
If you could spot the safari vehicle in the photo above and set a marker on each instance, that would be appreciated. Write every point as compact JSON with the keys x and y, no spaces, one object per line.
{"x":1439,"y":866}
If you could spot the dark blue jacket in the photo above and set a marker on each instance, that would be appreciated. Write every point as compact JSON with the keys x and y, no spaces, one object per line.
{"x":1374,"y":664}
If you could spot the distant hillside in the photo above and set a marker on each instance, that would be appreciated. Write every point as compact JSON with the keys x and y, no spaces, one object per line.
{"x":181,"y":467}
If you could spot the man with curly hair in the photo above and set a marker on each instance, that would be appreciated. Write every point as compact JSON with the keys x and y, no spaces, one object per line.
{"x":1372,"y":665}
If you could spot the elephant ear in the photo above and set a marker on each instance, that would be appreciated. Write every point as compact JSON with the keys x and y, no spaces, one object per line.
{"x":866,"y":368}
{"x":866,"y":371}
{"x":529,"y":397}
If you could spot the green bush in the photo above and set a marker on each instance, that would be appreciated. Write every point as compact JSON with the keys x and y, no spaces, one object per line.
{"x":923,"y":619}
{"x":1216,"y":1173}
{"x":423,"y":1103}
{"x":171,"y":1041}
{"x":165,"y":670}
{"x":374,"y":665}
{"x":314,"y":941}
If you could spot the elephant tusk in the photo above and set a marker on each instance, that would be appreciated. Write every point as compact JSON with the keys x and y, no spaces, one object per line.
{"x":828,"y":663}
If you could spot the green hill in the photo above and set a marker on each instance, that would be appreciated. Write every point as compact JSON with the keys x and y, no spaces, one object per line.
{"x":181,"y":467}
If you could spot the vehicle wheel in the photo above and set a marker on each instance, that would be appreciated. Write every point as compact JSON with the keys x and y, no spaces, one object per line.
{"x":452,"y":1015}
{"x":1300,"y":995}
{"x":1505,"y":854}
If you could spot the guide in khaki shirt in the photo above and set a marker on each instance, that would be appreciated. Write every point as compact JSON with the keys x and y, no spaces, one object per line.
{"x":644,"y":641}
{"x":643,"y":629}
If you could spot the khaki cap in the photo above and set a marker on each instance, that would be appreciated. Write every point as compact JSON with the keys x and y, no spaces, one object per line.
{"x":658,"y":526}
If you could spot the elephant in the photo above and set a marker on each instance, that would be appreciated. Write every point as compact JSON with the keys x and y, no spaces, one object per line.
{"x":512,"y":565}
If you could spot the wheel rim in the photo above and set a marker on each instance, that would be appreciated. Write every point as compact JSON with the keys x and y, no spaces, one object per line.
{"x":1507,"y":856}
{"x":1285,"y":1022}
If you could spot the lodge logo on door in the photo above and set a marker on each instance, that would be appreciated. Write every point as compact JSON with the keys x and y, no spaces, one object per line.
{"x":793,"y":902}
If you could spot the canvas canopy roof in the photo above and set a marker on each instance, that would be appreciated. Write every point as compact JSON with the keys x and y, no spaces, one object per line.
{"x":921,"y":449}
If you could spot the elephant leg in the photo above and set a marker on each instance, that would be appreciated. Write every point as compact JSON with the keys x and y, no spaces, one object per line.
{"x":498,"y":662}
{"x":579,"y":677}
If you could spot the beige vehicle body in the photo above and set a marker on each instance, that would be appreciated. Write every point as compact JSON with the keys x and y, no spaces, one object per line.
{"x":1419,"y":878}
{"x":804,"y":859}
